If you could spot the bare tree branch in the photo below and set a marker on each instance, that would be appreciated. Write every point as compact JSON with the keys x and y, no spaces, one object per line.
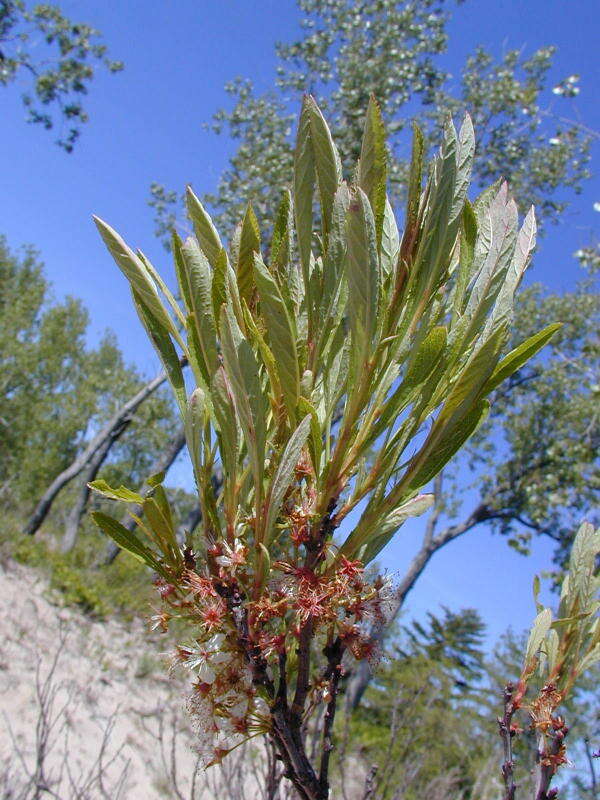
{"x":108,"y":431}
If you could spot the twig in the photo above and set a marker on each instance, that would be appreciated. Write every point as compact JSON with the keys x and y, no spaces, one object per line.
{"x":370,"y":782}
{"x":507,"y":732}
{"x":334,"y":654}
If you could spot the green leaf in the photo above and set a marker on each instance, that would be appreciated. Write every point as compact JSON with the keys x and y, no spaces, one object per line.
{"x":160,"y":338}
{"x":362,"y":270}
{"x":366,"y":542}
{"x":439,"y":226}
{"x":422,"y":365}
{"x":219,"y":283}
{"x":304,"y":188}
{"x":415,"y":180}
{"x":250,"y":402}
{"x":390,"y":240}
{"x":226,"y":420}
{"x":540,"y":628}
{"x":373,"y":165}
{"x":135,"y":272}
{"x":249,"y":246}
{"x":281,"y":241}
{"x":156,"y":479}
{"x":282,"y":336}
{"x":259,"y":343}
{"x":327,"y":163}
{"x":284,"y":475}
{"x":315,"y":442}
{"x":472,"y":383}
{"x":128,"y":541}
{"x":333,"y":285}
{"x":205,"y":231}
{"x":520,"y":355}
{"x":200,"y":283}
{"x":441,"y":445}
{"x":159,"y":519}
{"x":181,"y":272}
{"x":427,"y":356}
{"x":121,"y":493}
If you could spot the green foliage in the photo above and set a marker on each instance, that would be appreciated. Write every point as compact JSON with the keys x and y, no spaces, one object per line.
{"x":419,"y":720}
{"x":387,"y":317}
{"x":352,"y":375}
{"x":541,"y":473}
{"x":454,"y":640}
{"x":61,"y":55}
{"x":348,"y":52}
{"x":55,"y":391}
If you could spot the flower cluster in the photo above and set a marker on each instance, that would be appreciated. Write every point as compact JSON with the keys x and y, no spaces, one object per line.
{"x":238,"y":633}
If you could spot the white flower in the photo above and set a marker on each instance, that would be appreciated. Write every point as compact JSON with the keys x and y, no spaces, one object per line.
{"x":233,"y":556}
{"x":207,"y":656}
{"x":596,"y":206}
{"x":554,"y":141}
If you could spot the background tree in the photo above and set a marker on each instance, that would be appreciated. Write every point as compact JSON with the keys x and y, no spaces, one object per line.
{"x":56,"y":391}
{"x":422,"y":721}
{"x":57,"y":58}
{"x":391,"y":49}
{"x":530,"y":135}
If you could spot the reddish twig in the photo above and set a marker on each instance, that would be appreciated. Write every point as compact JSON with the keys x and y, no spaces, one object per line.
{"x":507,"y":732}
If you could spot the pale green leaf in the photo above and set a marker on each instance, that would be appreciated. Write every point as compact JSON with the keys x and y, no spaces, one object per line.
{"x":304,"y":187}
{"x":121,"y":493}
{"x":373,"y":165}
{"x":540,"y":628}
{"x":282,"y":336}
{"x":249,"y":246}
{"x":327,"y":163}
{"x":200,"y":283}
{"x":520,"y":355}
{"x":362,"y":271}
{"x":205,"y":231}
{"x":135,"y":272}
{"x":284,"y":475}
{"x":390,"y":240}
{"x":249,"y":399}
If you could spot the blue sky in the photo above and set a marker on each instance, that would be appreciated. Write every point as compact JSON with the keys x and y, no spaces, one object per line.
{"x":146,"y":125}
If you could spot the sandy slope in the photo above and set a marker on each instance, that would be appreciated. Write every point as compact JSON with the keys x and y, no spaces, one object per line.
{"x":106,"y":675}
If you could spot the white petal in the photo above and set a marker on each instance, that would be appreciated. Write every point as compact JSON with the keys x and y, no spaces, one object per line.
{"x":206,"y":673}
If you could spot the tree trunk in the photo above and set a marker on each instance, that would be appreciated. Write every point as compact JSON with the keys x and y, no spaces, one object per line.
{"x":127,"y":409}
{"x":78,"y":510}
{"x":162,"y":464}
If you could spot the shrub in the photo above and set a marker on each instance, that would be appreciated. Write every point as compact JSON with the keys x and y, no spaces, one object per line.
{"x":338,"y":368}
